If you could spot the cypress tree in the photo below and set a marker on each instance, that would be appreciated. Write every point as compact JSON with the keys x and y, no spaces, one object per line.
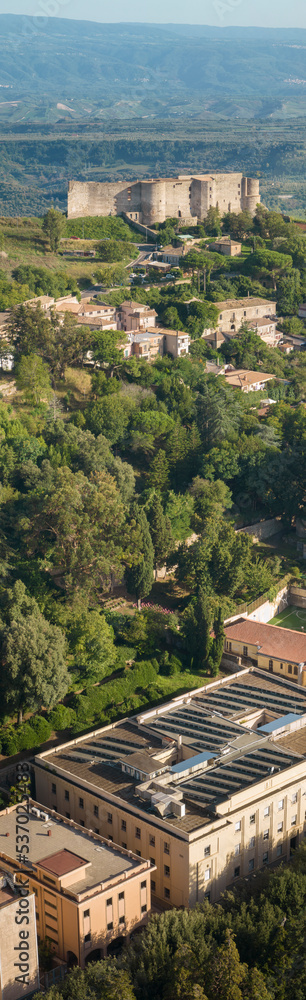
{"x":139,"y":577}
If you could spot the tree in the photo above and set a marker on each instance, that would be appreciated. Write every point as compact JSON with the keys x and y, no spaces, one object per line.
{"x":158,"y":477}
{"x":139,"y":577}
{"x":213,"y":222}
{"x":53,"y":226}
{"x":160,"y":529}
{"x":91,"y":642}
{"x":32,"y":378}
{"x":196,"y":628}
{"x":227,"y":973}
{"x":32,"y":652}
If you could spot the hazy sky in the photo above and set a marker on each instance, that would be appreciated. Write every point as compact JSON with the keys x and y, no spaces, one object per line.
{"x":268,"y":13}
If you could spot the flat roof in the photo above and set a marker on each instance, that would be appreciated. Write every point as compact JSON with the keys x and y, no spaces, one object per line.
{"x":211,"y":722}
{"x":284,"y":720}
{"x":274,"y":641}
{"x":94,"y":859}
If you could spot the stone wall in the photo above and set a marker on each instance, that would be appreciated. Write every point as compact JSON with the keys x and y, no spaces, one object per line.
{"x":152,"y":201}
{"x":297,"y":596}
{"x":263,"y":529}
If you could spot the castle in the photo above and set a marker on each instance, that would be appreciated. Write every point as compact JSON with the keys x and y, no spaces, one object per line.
{"x":151,"y":201}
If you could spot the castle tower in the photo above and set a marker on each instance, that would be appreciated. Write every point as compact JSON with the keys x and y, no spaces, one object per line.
{"x":250,"y":194}
{"x":153,"y":202}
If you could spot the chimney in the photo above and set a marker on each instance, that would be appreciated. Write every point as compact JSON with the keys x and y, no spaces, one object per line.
{"x":49,"y":833}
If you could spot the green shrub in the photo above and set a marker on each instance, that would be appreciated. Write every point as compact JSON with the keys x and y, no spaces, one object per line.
{"x":26,"y":737}
{"x":42,"y":728}
{"x":9,"y":741}
{"x":61,"y":718}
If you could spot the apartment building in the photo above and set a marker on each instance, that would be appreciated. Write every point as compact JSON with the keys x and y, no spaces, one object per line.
{"x":270,"y":647}
{"x":89,"y":894}
{"x":200,"y":787}
{"x":19,"y":973}
{"x":134,"y":316}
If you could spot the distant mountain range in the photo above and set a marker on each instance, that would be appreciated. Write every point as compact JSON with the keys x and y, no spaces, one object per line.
{"x":55,"y":69}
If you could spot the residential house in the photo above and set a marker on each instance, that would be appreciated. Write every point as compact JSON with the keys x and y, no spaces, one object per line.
{"x":176,"y":342}
{"x":232,"y":313}
{"x":134,"y":316}
{"x":247,"y":381}
{"x":226,"y":246}
{"x":270,"y":647}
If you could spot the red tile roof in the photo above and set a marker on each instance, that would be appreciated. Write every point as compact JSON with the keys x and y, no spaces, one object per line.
{"x":280,"y":643}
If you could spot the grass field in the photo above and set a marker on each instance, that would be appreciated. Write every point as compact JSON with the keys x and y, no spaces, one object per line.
{"x":291,"y":617}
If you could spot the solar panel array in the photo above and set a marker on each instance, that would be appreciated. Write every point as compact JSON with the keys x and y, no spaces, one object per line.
{"x":241,"y":697}
{"x":229,"y":777}
{"x":205,"y":731}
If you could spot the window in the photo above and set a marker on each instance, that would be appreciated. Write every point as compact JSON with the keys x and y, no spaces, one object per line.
{"x":110,"y":838}
{"x":153,"y":884}
{"x":82,"y":822}
{"x":289,"y":668}
{"x":295,"y":671}
{"x":144,"y":908}
{"x":245,"y":650}
{"x":87,"y":936}
{"x":166,"y":847}
{"x":86,"y":913}
{"x":81,"y":803}
{"x":123,"y":824}
{"x":110,"y":926}
{"x":207,"y":851}
{"x":252,"y":842}
{"x":267,"y":811}
{"x":270,"y":664}
{"x":280,"y":804}
{"x":152,"y":861}
{"x":96,"y":811}
{"x":152,"y":841}
{"x":122,"y":919}
{"x":238,"y":826}
{"x":279,"y":850}
{"x":123,"y":844}
{"x":252,"y":818}
{"x":138,"y":833}
{"x":167,"y":893}
{"x":109,"y":817}
{"x":280,"y":827}
{"x":109,"y":902}
{"x":96,"y":829}
{"x":167,"y":871}
{"x":293,"y":820}
{"x":53,"y":788}
{"x":237,"y":871}
{"x":138,"y":854}
{"x":66,"y":795}
{"x":237,"y":850}
{"x":207,"y":875}
{"x":121,"y":895}
{"x":294,"y":798}
{"x":67,"y":815}
{"x":251,"y":865}
{"x":265,"y":858}
{"x":281,"y":666}
{"x":266,"y":835}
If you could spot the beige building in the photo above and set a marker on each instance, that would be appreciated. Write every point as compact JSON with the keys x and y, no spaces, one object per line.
{"x":232,"y":313}
{"x":246,"y":381}
{"x":151,"y":201}
{"x":19,"y":973}
{"x":89,"y":894}
{"x":270,"y":647}
{"x":199,"y":786}
{"x":226,"y":246}
{"x":134,"y":316}
{"x":266,"y":328}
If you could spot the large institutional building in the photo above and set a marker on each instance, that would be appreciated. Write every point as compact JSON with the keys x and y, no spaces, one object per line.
{"x":150,"y":201}
{"x":89,"y":895}
{"x":207,"y":788}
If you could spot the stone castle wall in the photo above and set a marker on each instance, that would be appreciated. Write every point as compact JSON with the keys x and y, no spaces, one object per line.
{"x":152,"y":201}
